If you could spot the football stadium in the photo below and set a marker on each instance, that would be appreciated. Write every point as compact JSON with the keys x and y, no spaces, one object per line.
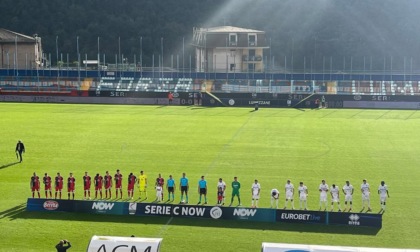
{"x":228,"y":149}
{"x":271,"y":145}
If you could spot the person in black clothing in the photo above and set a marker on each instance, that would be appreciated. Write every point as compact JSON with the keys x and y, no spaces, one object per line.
{"x":20,"y":148}
{"x":199,"y":97}
{"x":61,"y":246}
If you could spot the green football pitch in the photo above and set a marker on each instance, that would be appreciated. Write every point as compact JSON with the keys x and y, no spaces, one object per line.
{"x":271,"y":145}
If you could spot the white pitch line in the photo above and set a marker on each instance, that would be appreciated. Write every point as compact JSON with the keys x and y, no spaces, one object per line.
{"x":165,"y":227}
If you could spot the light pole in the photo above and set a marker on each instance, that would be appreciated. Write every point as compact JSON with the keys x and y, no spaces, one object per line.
{"x":56,"y":49}
{"x":78,"y":61}
{"x":141,"y":57}
{"x":58,"y":67}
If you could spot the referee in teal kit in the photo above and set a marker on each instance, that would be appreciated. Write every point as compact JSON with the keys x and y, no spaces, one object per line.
{"x":170,"y":185}
{"x":202,"y":190}
{"x":183,"y":185}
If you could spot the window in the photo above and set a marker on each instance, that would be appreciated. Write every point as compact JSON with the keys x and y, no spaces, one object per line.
{"x":252,"y":40}
{"x":233,"y":39}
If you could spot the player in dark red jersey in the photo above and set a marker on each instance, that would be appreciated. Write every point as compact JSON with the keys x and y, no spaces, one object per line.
{"x":58,"y":184}
{"x":118,"y":183}
{"x":47,"y":182}
{"x":87,"y":181}
{"x":131,"y":182}
{"x":108,"y":184}
{"x":71,"y":185}
{"x":160,"y":182}
{"x":35,"y":185}
{"x":98,"y":185}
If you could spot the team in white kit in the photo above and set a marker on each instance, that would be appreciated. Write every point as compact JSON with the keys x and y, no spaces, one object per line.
{"x":324,"y":189}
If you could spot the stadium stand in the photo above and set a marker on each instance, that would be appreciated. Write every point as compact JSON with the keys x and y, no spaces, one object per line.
{"x":183,"y":84}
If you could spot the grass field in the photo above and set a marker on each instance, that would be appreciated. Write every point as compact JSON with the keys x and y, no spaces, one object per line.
{"x":271,"y":145}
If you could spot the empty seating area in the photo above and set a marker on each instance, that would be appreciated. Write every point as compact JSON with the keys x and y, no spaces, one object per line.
{"x":143,"y":84}
{"x":183,"y":84}
{"x":148,"y":84}
{"x":383,"y":88}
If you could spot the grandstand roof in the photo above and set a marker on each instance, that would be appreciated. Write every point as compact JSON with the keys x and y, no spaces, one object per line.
{"x":224,"y":29}
{"x":7,"y":36}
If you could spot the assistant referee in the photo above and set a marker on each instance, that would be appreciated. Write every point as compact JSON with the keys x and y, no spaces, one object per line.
{"x":202,"y":190}
{"x":183,"y":184}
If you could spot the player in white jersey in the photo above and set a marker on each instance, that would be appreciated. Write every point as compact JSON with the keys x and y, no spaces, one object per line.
{"x":348,"y":192}
{"x":303,"y":194}
{"x":221,"y":184}
{"x":383,"y":194}
{"x":335,"y":197}
{"x":365,"y":188}
{"x":323,"y":189}
{"x":275,"y":194}
{"x":158,"y":188}
{"x":289,"y":190}
{"x":255,"y":191}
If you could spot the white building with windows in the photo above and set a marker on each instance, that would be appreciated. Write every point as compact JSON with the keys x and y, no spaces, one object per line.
{"x":229,"y":49}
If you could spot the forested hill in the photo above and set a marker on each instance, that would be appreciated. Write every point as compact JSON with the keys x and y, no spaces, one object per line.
{"x":315,"y":29}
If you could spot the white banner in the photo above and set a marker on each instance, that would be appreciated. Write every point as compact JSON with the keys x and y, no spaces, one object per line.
{"x":284,"y":247}
{"x":123,"y":244}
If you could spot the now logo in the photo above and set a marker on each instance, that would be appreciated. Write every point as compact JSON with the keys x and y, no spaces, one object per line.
{"x":102,"y":206}
{"x":242,"y":212}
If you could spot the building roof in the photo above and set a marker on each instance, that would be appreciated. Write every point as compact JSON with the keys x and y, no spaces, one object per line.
{"x":7,"y":36}
{"x":224,"y":29}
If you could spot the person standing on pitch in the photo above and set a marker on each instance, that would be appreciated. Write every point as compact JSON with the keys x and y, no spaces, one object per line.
{"x":118,"y":184}
{"x":255,"y":193}
{"x":130,"y":185}
{"x":159,"y":192}
{"x":275,"y":194}
{"x":170,"y":98}
{"x":58,"y":185}
{"x":98,"y":180}
{"x":221,"y":185}
{"x":20,"y":149}
{"x":87,"y":182}
{"x":35,"y":185}
{"x":202,"y":190}
{"x":160,"y":181}
{"x":335,"y":197}
{"x":383,"y":194}
{"x":183,"y":185}
{"x":71,"y":185}
{"x":303,"y":194}
{"x":323,"y":189}
{"x":348,"y":192}
{"x":365,"y":188}
{"x":47,"y":183}
{"x":289,"y":190}
{"x":219,"y":196}
{"x":235,"y":191}
{"x":170,"y":186}
{"x":199,"y":97}
{"x":108,"y":185}
{"x":142,"y":184}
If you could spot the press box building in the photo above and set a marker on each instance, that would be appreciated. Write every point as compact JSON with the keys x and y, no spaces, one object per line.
{"x":229,"y":49}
